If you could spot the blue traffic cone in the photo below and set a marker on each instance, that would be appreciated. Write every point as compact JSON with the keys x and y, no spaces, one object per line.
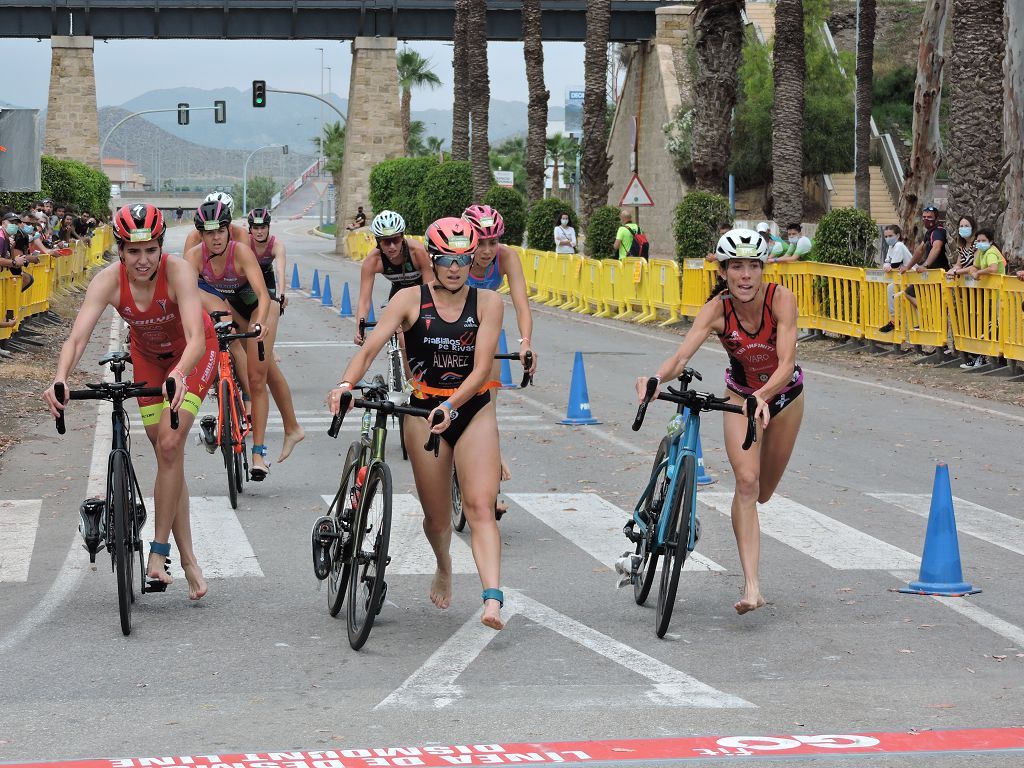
{"x":578,"y":411}
{"x":314,"y":292}
{"x":506,"y":369}
{"x":941,"y":573}
{"x":346,"y":302}
{"x":703,"y":478}
{"x":371,"y":318}
{"x":295,"y":277}
{"x":326,"y":300}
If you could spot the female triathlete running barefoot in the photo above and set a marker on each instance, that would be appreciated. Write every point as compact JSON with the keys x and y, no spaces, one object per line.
{"x":762,"y":363}
{"x":451,"y":332}
{"x":171,"y":337}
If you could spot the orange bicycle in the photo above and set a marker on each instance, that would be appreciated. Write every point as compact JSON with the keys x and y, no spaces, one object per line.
{"x":232,"y":425}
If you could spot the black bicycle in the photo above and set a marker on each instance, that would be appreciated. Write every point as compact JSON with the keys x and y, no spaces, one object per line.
{"x":350,"y":542}
{"x":116,"y":522}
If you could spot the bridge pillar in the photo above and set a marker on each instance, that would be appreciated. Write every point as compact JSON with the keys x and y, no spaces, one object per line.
{"x":373,"y":129}
{"x":72,"y":122}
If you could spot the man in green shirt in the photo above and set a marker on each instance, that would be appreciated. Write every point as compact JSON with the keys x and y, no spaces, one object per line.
{"x":624,"y":235}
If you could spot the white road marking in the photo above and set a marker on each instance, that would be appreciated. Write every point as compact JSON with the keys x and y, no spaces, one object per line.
{"x":19,"y":520}
{"x":829,"y":541}
{"x":311,"y":344}
{"x":222,"y":548}
{"x":593,"y":524}
{"x":435,"y":684}
{"x":973,"y":519}
{"x":596,"y":431}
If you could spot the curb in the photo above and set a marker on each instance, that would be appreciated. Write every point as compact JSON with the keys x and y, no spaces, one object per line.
{"x":317,"y":233}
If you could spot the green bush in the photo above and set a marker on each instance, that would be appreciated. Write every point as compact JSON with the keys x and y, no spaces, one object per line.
{"x":67,"y":182}
{"x":512,"y":207}
{"x":846,"y":236}
{"x":447,"y":190}
{"x":696,"y":224}
{"x":540,"y":222}
{"x":601,"y":229}
{"x":394,"y":186}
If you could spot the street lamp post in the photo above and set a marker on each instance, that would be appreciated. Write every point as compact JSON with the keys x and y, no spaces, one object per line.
{"x":245,"y":176}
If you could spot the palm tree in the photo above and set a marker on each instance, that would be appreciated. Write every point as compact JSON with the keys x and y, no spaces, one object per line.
{"x":434,"y":145}
{"x":333,"y":150}
{"x":975,"y":156}
{"x":415,"y":147}
{"x":461,"y":106}
{"x":1012,"y":241}
{"x":595,"y":161}
{"x":865,"y":83}
{"x":413,"y":72}
{"x":718,"y":29}
{"x":560,"y":150}
{"x":788,"y":112}
{"x":476,"y":40}
{"x":537,"y":111}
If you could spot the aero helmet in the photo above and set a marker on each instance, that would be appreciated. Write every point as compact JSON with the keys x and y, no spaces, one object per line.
{"x":387,"y":224}
{"x":485,"y":220}
{"x":211,"y":216}
{"x":451,"y":237}
{"x":741,"y":244}
{"x":138,"y":223}
{"x":221,"y":197}
{"x":259,"y":217}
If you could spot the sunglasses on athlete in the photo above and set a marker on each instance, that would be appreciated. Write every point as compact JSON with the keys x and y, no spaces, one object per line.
{"x":391,"y":241}
{"x":462,"y":260}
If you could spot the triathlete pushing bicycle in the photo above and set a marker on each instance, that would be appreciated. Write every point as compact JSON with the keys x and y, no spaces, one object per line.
{"x":451,"y":333}
{"x":762,"y":363}
{"x":171,"y":337}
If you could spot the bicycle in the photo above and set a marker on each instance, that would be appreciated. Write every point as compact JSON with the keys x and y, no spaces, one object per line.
{"x":231,"y":426}
{"x":116,"y":523}
{"x":664,"y":523}
{"x":350,"y":543}
{"x":397,"y":382}
{"x":458,"y":515}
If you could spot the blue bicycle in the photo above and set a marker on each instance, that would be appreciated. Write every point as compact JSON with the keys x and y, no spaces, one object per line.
{"x":664,"y":524}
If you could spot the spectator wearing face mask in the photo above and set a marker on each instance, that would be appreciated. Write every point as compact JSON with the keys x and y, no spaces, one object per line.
{"x":797,"y":245}
{"x":966,"y":232}
{"x":988,"y":260}
{"x":565,"y":235}
{"x":896,"y":255}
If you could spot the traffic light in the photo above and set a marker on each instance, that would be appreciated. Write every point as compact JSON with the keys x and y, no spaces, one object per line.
{"x":259,"y":93}
{"x":220,"y":111}
{"x":182,"y":113}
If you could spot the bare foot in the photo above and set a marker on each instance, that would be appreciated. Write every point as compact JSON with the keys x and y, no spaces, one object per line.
{"x":441,"y":588}
{"x":196,"y":583}
{"x":748,"y":604}
{"x":291,"y":439}
{"x":155,"y":570}
{"x":492,"y":615}
{"x":506,"y":473}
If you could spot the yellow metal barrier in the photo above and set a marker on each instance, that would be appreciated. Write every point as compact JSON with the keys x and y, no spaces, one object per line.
{"x":875,"y":290}
{"x":591,"y":281}
{"x":923,"y":316}
{"x":10,"y":287}
{"x":532,"y":261}
{"x":665,"y":288}
{"x":558,"y":279}
{"x":699,"y":278}
{"x":573,"y":282}
{"x":612,"y":302}
{"x":974,"y":314}
{"x":836,"y":299}
{"x":1011,"y":324}
{"x":635,"y":290}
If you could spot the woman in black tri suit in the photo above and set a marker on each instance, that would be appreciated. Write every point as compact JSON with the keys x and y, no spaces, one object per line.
{"x":451,"y":334}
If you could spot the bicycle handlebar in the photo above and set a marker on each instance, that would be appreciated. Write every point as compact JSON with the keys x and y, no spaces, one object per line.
{"x":527,"y":361}
{"x":388,"y":407}
{"x":108,"y":390}
{"x":226,"y":338}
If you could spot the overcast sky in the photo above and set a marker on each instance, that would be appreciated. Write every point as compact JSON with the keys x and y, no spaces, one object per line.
{"x":128,"y":68}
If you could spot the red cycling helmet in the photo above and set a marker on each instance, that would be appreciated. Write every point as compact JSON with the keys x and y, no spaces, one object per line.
{"x":138,"y":223}
{"x":485,"y":220}
{"x":451,"y":237}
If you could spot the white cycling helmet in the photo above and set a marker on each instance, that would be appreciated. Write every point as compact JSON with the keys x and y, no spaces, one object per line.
{"x":221,"y":197}
{"x":742,"y":244}
{"x":387,"y":223}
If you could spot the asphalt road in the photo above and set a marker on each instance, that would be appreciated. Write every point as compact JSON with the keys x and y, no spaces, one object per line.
{"x":259,"y":664}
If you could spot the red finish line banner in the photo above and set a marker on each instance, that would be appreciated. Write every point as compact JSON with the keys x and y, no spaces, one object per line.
{"x":573,"y":752}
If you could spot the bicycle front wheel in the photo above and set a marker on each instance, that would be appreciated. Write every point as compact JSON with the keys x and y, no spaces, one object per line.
{"x":677,"y":535}
{"x":370,"y":538}
{"x":227,"y":449}
{"x":458,"y":513}
{"x":646,"y":548}
{"x":341,"y":510}
{"x":123,"y":517}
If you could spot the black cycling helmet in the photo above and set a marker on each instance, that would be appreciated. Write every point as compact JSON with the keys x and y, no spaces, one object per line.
{"x":212,"y":216}
{"x":259,"y":217}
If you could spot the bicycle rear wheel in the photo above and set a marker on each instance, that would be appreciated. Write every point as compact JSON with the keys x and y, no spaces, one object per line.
{"x":458,"y":513}
{"x":227,"y":449}
{"x":341,"y":510}
{"x":123,"y":516}
{"x":370,"y":538}
{"x":646,"y":549}
{"x":677,"y":535}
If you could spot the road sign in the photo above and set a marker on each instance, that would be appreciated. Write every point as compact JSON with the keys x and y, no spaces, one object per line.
{"x":504,"y":179}
{"x":636,"y":193}
{"x":574,"y":110}
{"x":320,"y":187}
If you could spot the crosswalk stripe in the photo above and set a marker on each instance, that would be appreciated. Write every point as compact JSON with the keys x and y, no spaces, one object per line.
{"x":19,"y":520}
{"x":973,"y":519}
{"x":222,"y":548}
{"x":276,"y":426}
{"x":410,"y":552}
{"x":829,"y":541}
{"x":304,"y":344}
{"x":593,"y":524}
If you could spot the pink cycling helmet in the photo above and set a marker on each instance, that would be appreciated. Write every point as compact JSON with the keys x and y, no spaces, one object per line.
{"x":485,"y":220}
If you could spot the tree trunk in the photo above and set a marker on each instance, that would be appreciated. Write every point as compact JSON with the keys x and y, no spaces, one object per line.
{"x":406,"y":108}
{"x":595,"y":161}
{"x":926,"y":147}
{"x":537,"y":111}
{"x":788,"y":112}
{"x":480,"y":151}
{"x":718,"y":33}
{"x":865,"y":72}
{"x":460,"y":65}
{"x":975,"y":158}
{"x":1012,"y":239}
